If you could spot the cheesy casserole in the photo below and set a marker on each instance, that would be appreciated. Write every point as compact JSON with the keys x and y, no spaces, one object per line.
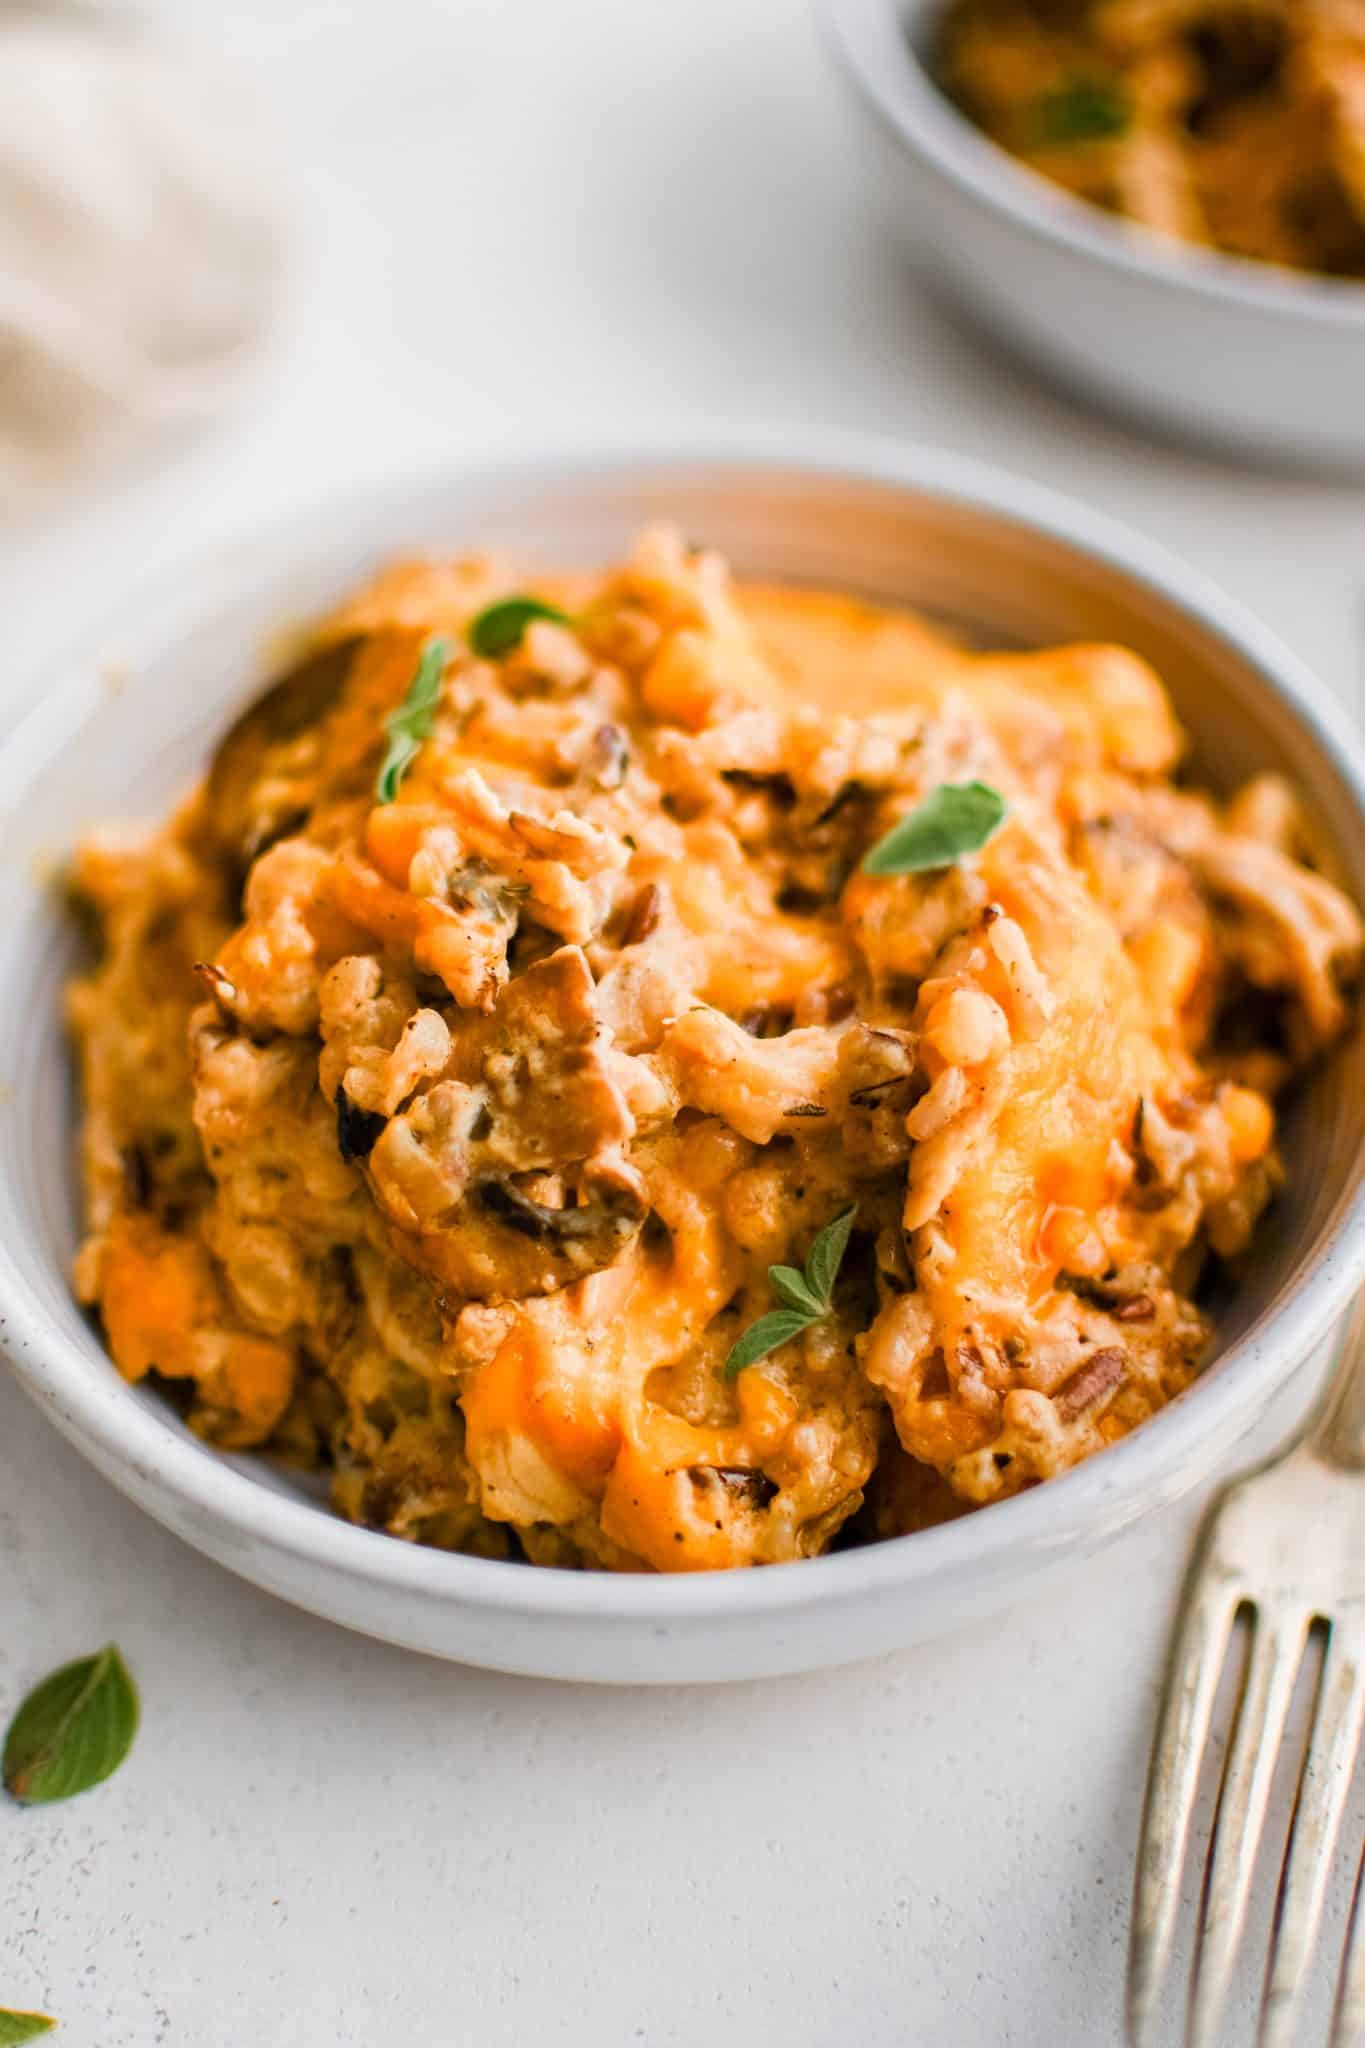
{"x":1238,"y":124}
{"x":514,"y":994}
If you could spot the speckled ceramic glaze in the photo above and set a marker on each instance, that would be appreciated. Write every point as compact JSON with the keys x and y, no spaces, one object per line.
{"x":1248,"y":354}
{"x":119,"y":727}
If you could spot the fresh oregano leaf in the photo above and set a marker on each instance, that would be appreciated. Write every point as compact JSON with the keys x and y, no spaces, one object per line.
{"x":955,"y":818}
{"x":16,"y":2027}
{"x":411,"y":724}
{"x":499,"y":627}
{"x":793,"y":1290}
{"x":807,"y":1296}
{"x":73,"y":1730}
{"x":827,"y":1255}
{"x":1087,"y":107}
{"x":765,"y":1335}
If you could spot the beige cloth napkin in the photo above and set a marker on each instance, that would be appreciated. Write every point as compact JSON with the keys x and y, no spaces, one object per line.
{"x":142,"y":241}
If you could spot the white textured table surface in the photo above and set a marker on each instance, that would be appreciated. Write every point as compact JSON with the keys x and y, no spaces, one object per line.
{"x":572,"y":216}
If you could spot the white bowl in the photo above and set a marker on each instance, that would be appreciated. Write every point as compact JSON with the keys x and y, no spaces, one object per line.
{"x":1011,"y":561}
{"x":1253,"y":356}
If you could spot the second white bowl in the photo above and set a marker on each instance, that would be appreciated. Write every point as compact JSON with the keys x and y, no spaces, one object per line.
{"x":1257,"y":358}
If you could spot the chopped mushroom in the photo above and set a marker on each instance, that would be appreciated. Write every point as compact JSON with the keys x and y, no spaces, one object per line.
{"x":262,"y":769}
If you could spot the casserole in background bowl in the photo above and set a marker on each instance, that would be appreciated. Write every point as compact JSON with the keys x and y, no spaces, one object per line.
{"x":1254,"y":357}
{"x":1007,"y":563}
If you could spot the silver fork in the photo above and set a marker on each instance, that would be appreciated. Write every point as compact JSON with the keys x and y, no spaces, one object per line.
{"x":1286,"y":1548}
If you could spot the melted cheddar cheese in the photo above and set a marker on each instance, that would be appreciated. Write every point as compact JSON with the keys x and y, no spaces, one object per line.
{"x":447,"y":1141}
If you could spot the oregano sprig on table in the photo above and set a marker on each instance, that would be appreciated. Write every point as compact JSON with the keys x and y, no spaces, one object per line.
{"x":17,"y":2027}
{"x":72,"y":1732}
{"x":806,"y":1297}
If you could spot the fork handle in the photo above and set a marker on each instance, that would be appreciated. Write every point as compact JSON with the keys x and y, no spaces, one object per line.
{"x":1339,"y":1434}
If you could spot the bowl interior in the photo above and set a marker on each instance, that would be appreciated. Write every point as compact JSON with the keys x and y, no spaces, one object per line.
{"x":128,"y":723}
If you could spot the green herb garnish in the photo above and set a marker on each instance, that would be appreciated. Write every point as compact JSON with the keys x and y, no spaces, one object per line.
{"x":412,"y":722}
{"x":16,"y":2027}
{"x":499,"y":627}
{"x":1087,"y":107}
{"x":806,"y":1297}
{"x":72,"y":1732}
{"x":955,"y":818}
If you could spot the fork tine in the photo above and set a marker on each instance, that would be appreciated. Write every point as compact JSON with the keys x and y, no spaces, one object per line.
{"x":1332,"y":1747}
{"x":1191,"y":1687}
{"x":1348,"y":2020}
{"x":1277,"y":1643}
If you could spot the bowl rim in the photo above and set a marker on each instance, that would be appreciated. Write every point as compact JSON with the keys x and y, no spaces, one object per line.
{"x":122,"y":1436}
{"x":905,"y":101}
